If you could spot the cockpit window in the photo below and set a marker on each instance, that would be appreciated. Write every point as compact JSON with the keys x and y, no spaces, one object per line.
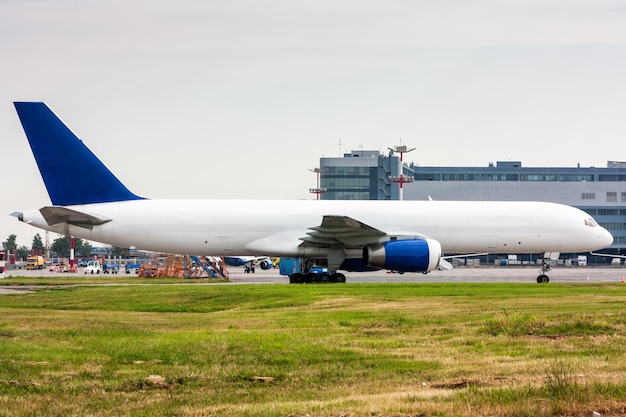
{"x":589,"y":221}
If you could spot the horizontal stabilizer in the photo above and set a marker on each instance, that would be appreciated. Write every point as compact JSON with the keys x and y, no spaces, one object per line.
{"x":55,"y":215}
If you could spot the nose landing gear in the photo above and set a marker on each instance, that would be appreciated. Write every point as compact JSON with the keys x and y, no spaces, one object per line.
{"x":545,"y":267}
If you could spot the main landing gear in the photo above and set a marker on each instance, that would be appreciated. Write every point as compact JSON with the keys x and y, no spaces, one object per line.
{"x":318,"y":278}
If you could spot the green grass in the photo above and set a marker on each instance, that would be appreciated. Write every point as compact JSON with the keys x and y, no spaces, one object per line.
{"x":325,"y":350}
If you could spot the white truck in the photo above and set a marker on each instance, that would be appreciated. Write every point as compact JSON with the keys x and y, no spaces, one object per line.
{"x":93,"y":267}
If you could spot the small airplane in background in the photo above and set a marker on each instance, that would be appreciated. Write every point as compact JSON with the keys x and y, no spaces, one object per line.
{"x":89,"y":202}
{"x":250,"y":262}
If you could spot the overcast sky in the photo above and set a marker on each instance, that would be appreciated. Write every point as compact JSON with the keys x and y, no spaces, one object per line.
{"x":240,"y":98}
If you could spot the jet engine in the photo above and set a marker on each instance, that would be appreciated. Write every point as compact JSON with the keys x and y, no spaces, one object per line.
{"x":413,"y":255}
{"x":266,"y":264}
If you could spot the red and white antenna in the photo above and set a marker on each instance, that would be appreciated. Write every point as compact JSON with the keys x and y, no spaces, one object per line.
{"x":401,"y":179}
{"x":72,"y":258}
{"x":317,"y":191}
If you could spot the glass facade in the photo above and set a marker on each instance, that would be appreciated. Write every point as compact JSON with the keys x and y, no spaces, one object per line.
{"x":347,"y":183}
{"x":443,"y":176}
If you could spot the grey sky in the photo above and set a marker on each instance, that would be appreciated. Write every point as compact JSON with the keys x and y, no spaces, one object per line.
{"x":239,"y":98}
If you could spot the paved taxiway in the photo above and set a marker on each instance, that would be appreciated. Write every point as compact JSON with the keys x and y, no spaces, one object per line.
{"x":466,"y":274}
{"x":476,"y":274}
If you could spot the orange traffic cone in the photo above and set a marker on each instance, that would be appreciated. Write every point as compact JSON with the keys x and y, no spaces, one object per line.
{"x":622,"y":278}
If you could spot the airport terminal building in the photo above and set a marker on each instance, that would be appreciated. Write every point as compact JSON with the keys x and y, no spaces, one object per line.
{"x":369,"y":175}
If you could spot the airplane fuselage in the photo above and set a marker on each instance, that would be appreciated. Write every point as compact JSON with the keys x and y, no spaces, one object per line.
{"x":275,"y":227}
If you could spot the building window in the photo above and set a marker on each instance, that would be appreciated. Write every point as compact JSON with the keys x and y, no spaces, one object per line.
{"x":538,"y":177}
{"x":575,"y":177}
{"x":347,"y":195}
{"x":589,"y":196}
{"x":346,"y":183}
{"x":623,"y":197}
{"x":614,"y":226}
{"x":458,"y":177}
{"x":501,"y":177}
{"x":611,"y":197}
{"x":427,"y":177}
{"x":346,"y":171}
{"x":612,"y":177}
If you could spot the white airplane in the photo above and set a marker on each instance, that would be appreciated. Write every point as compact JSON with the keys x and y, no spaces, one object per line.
{"x":249,"y":262}
{"x":89,"y":202}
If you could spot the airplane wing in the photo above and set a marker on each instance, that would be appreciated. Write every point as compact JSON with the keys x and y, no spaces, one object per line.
{"x":340,"y":236}
{"x":341,"y":231}
{"x":338,"y":233}
{"x":56,"y":214}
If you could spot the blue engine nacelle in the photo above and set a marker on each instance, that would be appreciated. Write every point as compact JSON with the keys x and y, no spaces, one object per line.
{"x":414,"y":255}
{"x":231,"y":261}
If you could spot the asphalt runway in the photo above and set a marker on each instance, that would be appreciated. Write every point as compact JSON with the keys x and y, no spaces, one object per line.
{"x":464,"y":274}
{"x":483,"y":274}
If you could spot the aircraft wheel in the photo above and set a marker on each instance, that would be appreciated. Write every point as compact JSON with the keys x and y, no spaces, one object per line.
{"x":338,"y":277}
{"x":296,"y":278}
{"x":542,"y":279}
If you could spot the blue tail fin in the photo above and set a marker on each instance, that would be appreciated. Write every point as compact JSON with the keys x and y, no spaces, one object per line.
{"x":71,"y":172}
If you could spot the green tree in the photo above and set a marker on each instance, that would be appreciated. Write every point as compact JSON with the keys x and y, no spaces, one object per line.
{"x":84,"y":250}
{"x":22,"y":253}
{"x":9,"y":245}
{"x":37,"y":244}
{"x":117,"y":251}
{"x":61,"y":246}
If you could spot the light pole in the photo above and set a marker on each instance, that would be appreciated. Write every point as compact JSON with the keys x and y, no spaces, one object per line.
{"x":317,"y":191}
{"x":401,"y":179}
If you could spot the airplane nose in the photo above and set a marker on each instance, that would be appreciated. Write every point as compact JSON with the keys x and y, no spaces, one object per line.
{"x":606,"y":238}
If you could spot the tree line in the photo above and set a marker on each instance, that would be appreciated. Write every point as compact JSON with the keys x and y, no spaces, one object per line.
{"x":60,"y":247}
